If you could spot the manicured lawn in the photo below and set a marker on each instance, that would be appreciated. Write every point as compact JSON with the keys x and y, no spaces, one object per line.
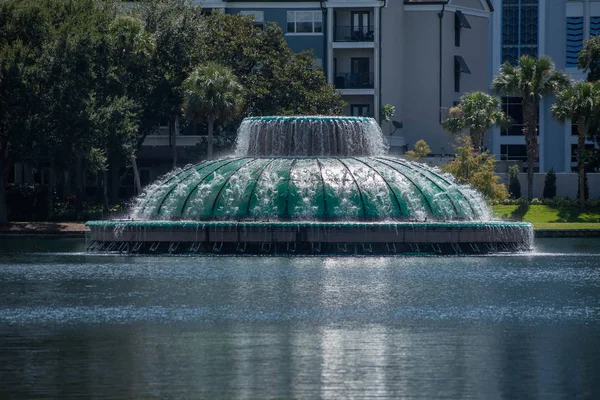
{"x":546,"y":217}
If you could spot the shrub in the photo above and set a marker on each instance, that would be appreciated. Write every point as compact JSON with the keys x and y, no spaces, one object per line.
{"x":514,"y":186}
{"x":421,"y":150}
{"x":476,"y":169}
{"x":550,"y":185}
{"x":27,"y":202}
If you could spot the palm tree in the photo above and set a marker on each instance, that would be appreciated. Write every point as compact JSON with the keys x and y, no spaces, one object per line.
{"x":531,"y":80}
{"x":589,"y":58}
{"x":581,"y":104}
{"x":477,"y":112}
{"x":212,"y":92}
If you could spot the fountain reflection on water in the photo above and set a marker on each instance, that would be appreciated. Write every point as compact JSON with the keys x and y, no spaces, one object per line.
{"x":331,"y":178}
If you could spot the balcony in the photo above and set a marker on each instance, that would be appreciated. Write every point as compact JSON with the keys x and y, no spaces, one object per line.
{"x":354,"y":81}
{"x":163,"y":140}
{"x":353,"y":34}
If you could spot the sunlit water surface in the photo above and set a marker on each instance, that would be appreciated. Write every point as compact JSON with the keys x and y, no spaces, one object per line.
{"x":74,"y":325}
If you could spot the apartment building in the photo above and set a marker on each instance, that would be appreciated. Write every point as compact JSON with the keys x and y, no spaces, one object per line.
{"x":555,"y":28}
{"x":419,"y":56}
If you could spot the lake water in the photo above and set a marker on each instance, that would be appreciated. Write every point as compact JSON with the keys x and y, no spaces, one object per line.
{"x":74,"y":325}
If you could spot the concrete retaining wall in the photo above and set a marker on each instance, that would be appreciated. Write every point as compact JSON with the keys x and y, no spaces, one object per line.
{"x":566,"y":184}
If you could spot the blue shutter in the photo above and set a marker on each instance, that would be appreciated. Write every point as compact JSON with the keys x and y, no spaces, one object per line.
{"x":574,"y":39}
{"x":595,"y":26}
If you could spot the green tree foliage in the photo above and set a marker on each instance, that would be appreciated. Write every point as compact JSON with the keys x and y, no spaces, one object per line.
{"x":550,"y":185}
{"x":476,"y":169}
{"x":277,"y":80}
{"x":421,"y":151}
{"x":477,"y":113}
{"x":514,"y":186}
{"x":387,"y":112}
{"x":83,"y":82}
{"x":579,"y":103}
{"x":531,"y":80}
{"x":589,"y":58}
{"x":212,"y":93}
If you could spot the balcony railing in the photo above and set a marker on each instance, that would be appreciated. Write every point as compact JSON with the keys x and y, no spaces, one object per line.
{"x":354,"y":81}
{"x":353,"y":34}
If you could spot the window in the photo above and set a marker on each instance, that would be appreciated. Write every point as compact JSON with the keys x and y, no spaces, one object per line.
{"x":304,"y":22}
{"x":519,"y":29}
{"x":460,"y":66}
{"x":514,"y":152}
{"x":574,"y":39}
{"x":513,"y":108}
{"x":574,"y":129}
{"x":594,"y":26}
{"x":359,"y":110}
{"x":259,"y":17}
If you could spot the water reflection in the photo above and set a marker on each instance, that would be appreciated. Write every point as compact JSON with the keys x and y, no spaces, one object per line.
{"x":141,"y":327}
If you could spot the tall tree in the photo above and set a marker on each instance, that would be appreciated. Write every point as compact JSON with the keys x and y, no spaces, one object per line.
{"x":531,"y":80}
{"x":212,"y":92}
{"x":132,"y":48}
{"x":15,"y":60}
{"x":277,"y":80}
{"x":579,"y":103}
{"x":589,"y":58}
{"x":24,"y":28}
{"x":477,"y":112}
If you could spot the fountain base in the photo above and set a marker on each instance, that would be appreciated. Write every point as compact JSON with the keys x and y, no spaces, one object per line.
{"x":307,"y":237}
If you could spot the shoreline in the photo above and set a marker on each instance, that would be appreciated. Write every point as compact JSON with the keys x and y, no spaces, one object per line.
{"x":68,"y":230}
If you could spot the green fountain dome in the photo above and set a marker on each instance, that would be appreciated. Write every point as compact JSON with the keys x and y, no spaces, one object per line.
{"x":309,"y":185}
{"x":312,"y":189}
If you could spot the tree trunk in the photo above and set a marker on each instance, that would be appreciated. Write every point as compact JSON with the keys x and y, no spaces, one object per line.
{"x":105,"y":189}
{"x":136,"y":175}
{"x":115,"y":182}
{"x":476,"y":140}
{"x":3,"y":172}
{"x":79,"y":185}
{"x":582,"y":133}
{"x":211,"y":123}
{"x":530,"y":132}
{"x":173,"y":132}
{"x":3,"y":208}
{"x":51,"y":189}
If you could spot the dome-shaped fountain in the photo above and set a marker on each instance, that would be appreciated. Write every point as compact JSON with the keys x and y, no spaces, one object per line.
{"x":310,"y":185}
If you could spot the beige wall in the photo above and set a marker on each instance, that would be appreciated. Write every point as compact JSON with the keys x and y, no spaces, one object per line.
{"x":566,"y":184}
{"x":476,"y":4}
{"x":410,"y":69}
{"x":392,"y":46}
{"x":421,"y":80}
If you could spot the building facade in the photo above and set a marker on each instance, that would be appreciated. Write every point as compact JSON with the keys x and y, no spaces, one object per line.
{"x":418,"y":56}
{"x":554,"y":28}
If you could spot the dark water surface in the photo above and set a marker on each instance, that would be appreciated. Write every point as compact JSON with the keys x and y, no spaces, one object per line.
{"x":93,"y":326}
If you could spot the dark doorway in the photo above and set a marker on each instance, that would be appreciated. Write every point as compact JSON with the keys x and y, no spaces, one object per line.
{"x":360,"y":76}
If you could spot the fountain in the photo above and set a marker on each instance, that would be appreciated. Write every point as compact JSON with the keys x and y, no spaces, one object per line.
{"x":310,"y":185}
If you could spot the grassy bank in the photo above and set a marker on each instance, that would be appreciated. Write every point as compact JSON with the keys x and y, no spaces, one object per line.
{"x":547,"y":217}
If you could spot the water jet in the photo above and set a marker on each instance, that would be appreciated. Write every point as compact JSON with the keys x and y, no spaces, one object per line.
{"x":310,"y":185}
